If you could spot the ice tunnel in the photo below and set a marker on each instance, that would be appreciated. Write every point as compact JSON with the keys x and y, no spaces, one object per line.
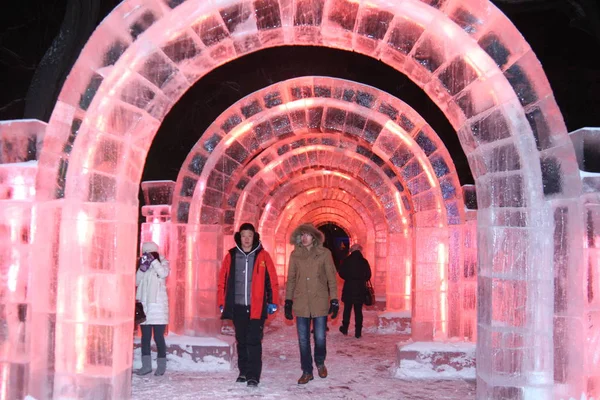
{"x":266,"y":139}
{"x":303,"y":148}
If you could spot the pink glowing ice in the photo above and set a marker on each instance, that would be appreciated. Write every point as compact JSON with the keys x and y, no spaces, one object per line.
{"x":533,"y":322}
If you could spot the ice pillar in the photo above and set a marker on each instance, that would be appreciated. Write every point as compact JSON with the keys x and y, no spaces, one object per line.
{"x":468,"y":290}
{"x":204,"y":246}
{"x":515,"y":304}
{"x":430,"y":284}
{"x":399,"y":272}
{"x":587,"y":148}
{"x":19,"y":142}
{"x":95,"y":299}
{"x":591,"y":259}
{"x":157,"y":210}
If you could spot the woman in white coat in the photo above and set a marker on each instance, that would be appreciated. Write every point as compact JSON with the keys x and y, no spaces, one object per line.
{"x":151,"y":275}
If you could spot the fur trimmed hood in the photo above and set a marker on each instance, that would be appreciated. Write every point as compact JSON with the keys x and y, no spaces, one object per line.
{"x":296,"y":239}
{"x":149,"y":247}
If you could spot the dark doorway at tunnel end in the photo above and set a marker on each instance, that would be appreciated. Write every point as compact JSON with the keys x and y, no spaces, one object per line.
{"x":337,"y":241}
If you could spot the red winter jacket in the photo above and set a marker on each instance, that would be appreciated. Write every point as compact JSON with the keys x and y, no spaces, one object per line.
{"x":264,"y":289}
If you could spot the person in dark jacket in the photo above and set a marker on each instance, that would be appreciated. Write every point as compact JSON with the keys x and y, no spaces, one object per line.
{"x":248,"y":291}
{"x":355,"y":271}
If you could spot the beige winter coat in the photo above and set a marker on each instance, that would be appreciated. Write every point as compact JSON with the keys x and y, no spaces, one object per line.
{"x":312,"y":278}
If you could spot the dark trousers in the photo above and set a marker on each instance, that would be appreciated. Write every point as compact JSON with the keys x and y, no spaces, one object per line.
{"x":358,"y":316}
{"x":303,"y":327}
{"x":249,"y":335}
{"x":159,"y":339}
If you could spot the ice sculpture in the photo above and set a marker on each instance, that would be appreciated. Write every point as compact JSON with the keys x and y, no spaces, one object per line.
{"x":587,"y":148}
{"x":20,"y":142}
{"x":294,"y":126}
{"x":466,"y":56}
{"x":157,"y":210}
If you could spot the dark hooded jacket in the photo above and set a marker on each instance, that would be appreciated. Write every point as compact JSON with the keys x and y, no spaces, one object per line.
{"x":264,"y":287}
{"x":355,"y":271}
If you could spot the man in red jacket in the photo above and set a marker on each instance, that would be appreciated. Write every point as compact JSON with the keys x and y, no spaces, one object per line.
{"x":248,"y":292}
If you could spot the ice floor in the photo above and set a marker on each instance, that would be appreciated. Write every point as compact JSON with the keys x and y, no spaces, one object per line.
{"x":358,"y":369}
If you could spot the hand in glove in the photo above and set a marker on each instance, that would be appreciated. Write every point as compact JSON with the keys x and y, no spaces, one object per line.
{"x":145,"y":261}
{"x":334,"y":307}
{"x":288,"y":309}
{"x":221,"y":309}
{"x":271,"y":308}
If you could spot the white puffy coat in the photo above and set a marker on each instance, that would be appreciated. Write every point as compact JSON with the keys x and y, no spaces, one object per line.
{"x":157,"y":312}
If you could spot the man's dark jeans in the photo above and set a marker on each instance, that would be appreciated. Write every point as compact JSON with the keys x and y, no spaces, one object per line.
{"x":303,"y":327}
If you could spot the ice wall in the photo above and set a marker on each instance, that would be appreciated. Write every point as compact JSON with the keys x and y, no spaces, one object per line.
{"x":587,"y":148}
{"x":20,"y":142}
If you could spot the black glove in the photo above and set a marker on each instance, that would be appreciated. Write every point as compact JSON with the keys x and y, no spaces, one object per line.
{"x":288,"y":309}
{"x":334,"y":307}
{"x":155,"y":255}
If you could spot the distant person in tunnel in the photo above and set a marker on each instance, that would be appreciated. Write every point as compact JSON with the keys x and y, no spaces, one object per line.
{"x":311,"y":282}
{"x":355,"y":271}
{"x":248,"y":291}
{"x":150,"y":279}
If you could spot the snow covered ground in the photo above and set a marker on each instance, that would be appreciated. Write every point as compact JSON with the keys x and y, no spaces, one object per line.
{"x":358,"y":369}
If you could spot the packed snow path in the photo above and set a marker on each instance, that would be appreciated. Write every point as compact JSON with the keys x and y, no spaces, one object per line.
{"x":358,"y":369}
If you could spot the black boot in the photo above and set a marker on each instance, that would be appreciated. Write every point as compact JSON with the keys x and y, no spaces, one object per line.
{"x":344,"y":329}
{"x":357,"y":332}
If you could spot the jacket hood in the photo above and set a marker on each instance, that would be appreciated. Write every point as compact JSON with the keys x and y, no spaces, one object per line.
{"x":296,"y":238}
{"x":149,"y":247}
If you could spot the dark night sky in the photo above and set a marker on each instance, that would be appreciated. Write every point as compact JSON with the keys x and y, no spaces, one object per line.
{"x":564,"y":35}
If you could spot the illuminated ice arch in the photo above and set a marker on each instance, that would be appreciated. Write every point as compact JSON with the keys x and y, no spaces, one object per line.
{"x":310,"y":181}
{"x":355,"y":173}
{"x":231,"y":140}
{"x":317,"y":203}
{"x":249,"y":211}
{"x":215,"y":160}
{"x":362,"y":201}
{"x":429,"y":267}
{"x":375,"y":244}
{"x":326,"y":151}
{"x":376,"y":122}
{"x":467,"y":57}
{"x":354,"y":200}
{"x":318,"y":206}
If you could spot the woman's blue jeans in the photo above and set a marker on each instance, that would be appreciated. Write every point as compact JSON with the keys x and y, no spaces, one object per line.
{"x":303,"y":326}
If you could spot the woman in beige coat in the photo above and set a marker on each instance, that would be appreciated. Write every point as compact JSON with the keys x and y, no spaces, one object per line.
{"x":311,"y":282}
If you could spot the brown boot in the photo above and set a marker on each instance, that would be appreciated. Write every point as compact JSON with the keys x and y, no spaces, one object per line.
{"x":305,"y":378}
{"x":322,"y":371}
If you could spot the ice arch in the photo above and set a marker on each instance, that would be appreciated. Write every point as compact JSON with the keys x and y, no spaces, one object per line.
{"x":374,"y":187}
{"x":286,"y":118}
{"x":360,"y":200}
{"x":361,"y":228}
{"x":432,"y":314}
{"x":467,"y":57}
{"x":376,"y":121}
